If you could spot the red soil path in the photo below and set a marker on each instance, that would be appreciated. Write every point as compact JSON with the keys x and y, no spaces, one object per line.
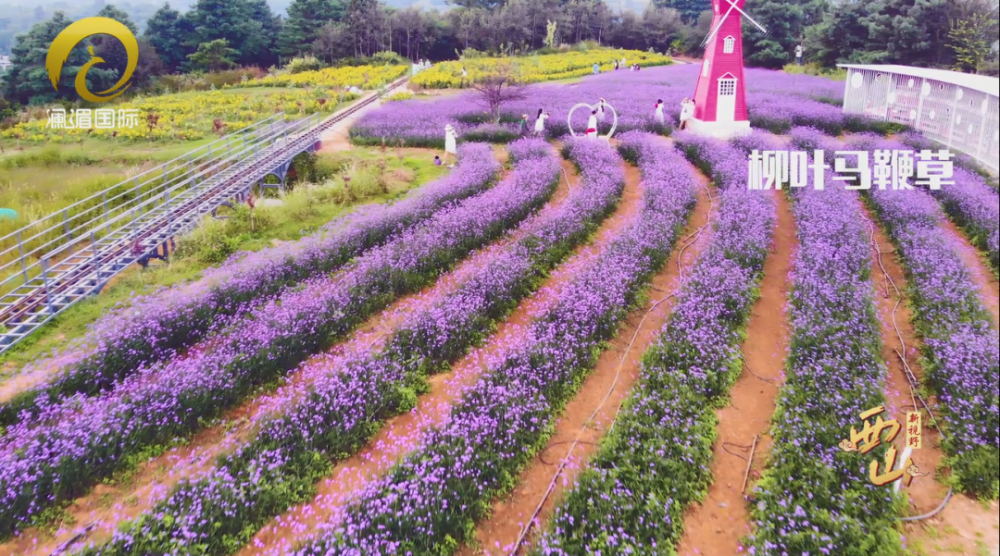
{"x":964,"y":526}
{"x":402,"y":434}
{"x":716,"y":525}
{"x":111,"y":505}
{"x":981,"y":272}
{"x":616,"y":371}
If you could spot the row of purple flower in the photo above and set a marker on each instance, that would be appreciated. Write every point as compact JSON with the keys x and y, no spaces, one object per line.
{"x":339,"y":403}
{"x":430,"y":502}
{"x":68,"y":446}
{"x":777,"y":102}
{"x":960,"y":344}
{"x":153,"y":327}
{"x":815,"y":498}
{"x":655,"y":462}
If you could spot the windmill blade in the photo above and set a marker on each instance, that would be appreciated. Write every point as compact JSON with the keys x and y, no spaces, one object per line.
{"x":758,"y":25}
{"x":711,"y":35}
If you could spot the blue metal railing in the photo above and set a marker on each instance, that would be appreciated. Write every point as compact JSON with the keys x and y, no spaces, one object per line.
{"x":59,"y":260}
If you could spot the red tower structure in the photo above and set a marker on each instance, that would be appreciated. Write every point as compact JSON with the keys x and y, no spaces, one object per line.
{"x":720,"y":97}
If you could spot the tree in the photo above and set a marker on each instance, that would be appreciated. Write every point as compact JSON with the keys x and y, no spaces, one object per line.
{"x":410,"y":25}
{"x":167,"y":32}
{"x":260,"y":31}
{"x":911,"y":32}
{"x":783,"y":20}
{"x":972,"y":41}
{"x":841,"y":37}
{"x":213,"y":56}
{"x":368,"y":23}
{"x":114,"y":54}
{"x":660,"y":27}
{"x":27,"y":81}
{"x":500,"y":86}
{"x":305,"y":20}
{"x":333,"y":43}
{"x":690,"y":10}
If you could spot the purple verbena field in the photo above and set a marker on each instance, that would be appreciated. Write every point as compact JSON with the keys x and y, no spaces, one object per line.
{"x":278,"y":337}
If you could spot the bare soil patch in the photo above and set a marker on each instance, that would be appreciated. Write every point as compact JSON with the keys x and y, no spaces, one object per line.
{"x":616,"y":372}
{"x":716,"y":525}
{"x":402,"y":434}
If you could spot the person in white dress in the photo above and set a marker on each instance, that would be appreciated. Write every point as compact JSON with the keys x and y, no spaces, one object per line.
{"x":658,"y":115}
{"x":687,"y":112}
{"x":601,"y":109}
{"x":592,"y":125}
{"x":623,"y":63}
{"x":450,"y":143}
{"x":540,"y":122}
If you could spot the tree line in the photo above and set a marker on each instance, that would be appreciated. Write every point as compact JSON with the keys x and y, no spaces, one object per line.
{"x":216,"y":35}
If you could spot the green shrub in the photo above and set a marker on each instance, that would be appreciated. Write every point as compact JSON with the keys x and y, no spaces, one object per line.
{"x":303,"y":64}
{"x":837,"y":74}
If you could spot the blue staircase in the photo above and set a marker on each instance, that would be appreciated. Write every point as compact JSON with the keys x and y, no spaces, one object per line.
{"x":69,"y":255}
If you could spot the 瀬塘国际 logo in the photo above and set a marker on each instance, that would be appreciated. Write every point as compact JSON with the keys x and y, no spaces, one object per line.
{"x":71,"y":36}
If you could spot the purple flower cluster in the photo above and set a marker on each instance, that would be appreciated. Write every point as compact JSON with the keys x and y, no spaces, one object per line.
{"x":975,"y":207}
{"x":153,"y":327}
{"x":429,"y":503}
{"x":815,"y":498}
{"x":971,"y":202}
{"x":778,"y":112}
{"x":655,"y":461}
{"x":782,"y":98}
{"x":71,"y":444}
{"x":337,"y":403}
{"x":961,"y":345}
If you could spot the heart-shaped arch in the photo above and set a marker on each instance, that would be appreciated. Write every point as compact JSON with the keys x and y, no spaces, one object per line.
{"x":591,"y":108}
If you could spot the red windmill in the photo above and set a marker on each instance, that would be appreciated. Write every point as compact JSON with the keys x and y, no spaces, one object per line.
{"x":720,"y":99}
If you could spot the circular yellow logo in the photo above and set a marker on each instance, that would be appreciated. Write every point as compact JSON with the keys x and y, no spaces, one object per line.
{"x":71,"y":36}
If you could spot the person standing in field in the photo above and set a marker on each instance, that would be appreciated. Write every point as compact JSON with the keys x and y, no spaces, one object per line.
{"x":616,"y":65}
{"x":687,"y":111}
{"x":450,"y":143}
{"x":601,"y":110}
{"x":597,"y":68}
{"x":624,"y":65}
{"x":540,"y":122}
{"x":798,"y":54}
{"x":522,"y":127}
{"x":591,"y":132}
{"x":658,"y":115}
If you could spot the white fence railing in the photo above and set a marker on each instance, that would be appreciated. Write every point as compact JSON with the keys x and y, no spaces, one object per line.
{"x":961,"y":117}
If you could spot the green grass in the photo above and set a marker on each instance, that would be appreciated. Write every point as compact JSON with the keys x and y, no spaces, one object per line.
{"x":374,"y":177}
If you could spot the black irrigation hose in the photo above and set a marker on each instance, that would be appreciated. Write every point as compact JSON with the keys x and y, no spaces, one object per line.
{"x":689,"y":241}
{"x":911,"y":379}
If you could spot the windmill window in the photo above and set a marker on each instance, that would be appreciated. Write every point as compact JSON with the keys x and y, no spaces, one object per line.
{"x":728,"y":45}
{"x":727,"y":87}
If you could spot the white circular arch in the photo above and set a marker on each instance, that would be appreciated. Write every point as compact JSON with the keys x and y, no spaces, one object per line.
{"x":614,"y":124}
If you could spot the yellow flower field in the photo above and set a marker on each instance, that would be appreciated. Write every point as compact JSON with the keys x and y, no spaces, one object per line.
{"x":363,"y":77}
{"x":534,"y":69}
{"x":192,"y":115}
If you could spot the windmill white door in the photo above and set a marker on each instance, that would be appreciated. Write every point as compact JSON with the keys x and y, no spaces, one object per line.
{"x":725,"y":108}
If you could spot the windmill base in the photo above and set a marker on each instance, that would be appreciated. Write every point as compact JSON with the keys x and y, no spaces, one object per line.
{"x":719,"y":130}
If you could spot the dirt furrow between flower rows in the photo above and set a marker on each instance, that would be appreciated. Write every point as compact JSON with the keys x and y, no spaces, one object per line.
{"x":716,"y":525}
{"x":963,"y":525}
{"x":604,"y":389}
{"x":402,"y":434}
{"x":982,"y":274}
{"x":97,"y":515}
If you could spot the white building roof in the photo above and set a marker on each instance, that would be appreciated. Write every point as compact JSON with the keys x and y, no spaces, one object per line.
{"x":981,"y":83}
